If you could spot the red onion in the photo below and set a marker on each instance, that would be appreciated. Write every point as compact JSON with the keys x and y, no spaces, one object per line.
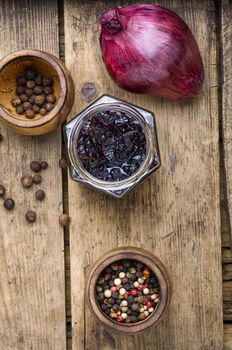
{"x":149,"y":49}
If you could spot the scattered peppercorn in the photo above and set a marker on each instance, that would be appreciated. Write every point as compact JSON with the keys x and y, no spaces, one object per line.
{"x":125,"y":297}
{"x":62,"y":163}
{"x":64,"y":219}
{"x":2,"y":190}
{"x":40,"y":195}
{"x":9,"y":203}
{"x":27,"y":181}
{"x":31,"y":216}
{"x":37,"y":179}
{"x":44,"y":165}
{"x":35,"y":166}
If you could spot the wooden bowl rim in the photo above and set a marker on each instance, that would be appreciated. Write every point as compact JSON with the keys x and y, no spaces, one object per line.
{"x":54,"y":63}
{"x":148,"y":259}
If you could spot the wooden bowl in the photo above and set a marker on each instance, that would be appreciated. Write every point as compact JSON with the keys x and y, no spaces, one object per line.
{"x":15,"y":64}
{"x":145,"y":257}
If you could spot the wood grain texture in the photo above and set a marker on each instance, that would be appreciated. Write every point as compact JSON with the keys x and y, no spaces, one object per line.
{"x":227,"y":337}
{"x":226,"y":47}
{"x":32,"y":297}
{"x":174,"y":214}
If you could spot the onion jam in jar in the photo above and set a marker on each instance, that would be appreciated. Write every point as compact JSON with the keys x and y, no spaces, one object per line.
{"x":111,"y":145}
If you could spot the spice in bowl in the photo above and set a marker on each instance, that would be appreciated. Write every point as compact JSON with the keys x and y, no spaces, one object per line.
{"x":35,"y":94}
{"x":111,"y":145}
{"x":127,"y":291}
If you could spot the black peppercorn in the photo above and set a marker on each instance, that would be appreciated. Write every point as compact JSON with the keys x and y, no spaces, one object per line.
{"x":42,"y":111}
{"x":38,"y":90}
{"x":38,"y":79}
{"x":30,"y":74}
{"x":20,"y":90}
{"x":37,"y":179}
{"x":48,"y":90}
{"x":20,"y":109}
{"x":35,"y":166}
{"x":30,"y":113}
{"x":40,"y":100}
{"x":23,"y":97}
{"x":40,"y":195}
{"x":51,"y":98}
{"x":64,"y":219}
{"x":28,"y":92}
{"x":21,"y":81}
{"x":44,"y":165}
{"x":27,"y":181}
{"x":47,"y":81}
{"x":62,"y":163}
{"x":31,"y":216}
{"x":30,"y":84}
{"x":16,"y":101}
{"x":2,"y":190}
{"x":49,"y":106}
{"x":27,"y":105}
{"x":9,"y":203}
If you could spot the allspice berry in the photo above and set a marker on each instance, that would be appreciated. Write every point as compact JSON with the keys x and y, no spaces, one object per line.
{"x":47,"y":81}
{"x":35,"y":166}
{"x":31,"y":216}
{"x":21,"y":81}
{"x":30,"y":74}
{"x":27,"y":105}
{"x":51,"y":98}
{"x":37,"y":179}
{"x":44,"y":165}
{"x":23,"y":97}
{"x":32,"y":99}
{"x":48,"y":90}
{"x":20,"y":90}
{"x":40,"y":100}
{"x":28,"y":92}
{"x":27,"y":181}
{"x":38,"y":79}
{"x":42,"y":111}
{"x":62,"y":163}
{"x":49,"y":106}
{"x":30,"y":113}
{"x":38,"y":90}
{"x":30,"y":84}
{"x":36,"y":108}
{"x":40,"y":195}
{"x":64,"y":220}
{"x":2,"y":190}
{"x":16,"y":101}
{"x":20,"y":109}
{"x":9,"y":203}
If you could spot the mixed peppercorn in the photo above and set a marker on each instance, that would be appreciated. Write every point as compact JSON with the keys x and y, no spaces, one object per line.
{"x":35,"y":94}
{"x":127,"y":291}
{"x":111,"y":145}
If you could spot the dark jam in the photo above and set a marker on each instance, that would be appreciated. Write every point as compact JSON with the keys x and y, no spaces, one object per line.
{"x":111,"y":145}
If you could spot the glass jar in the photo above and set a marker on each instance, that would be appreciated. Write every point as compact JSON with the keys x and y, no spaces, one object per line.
{"x":150,"y":164}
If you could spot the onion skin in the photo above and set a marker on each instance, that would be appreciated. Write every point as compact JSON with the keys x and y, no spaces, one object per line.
{"x":149,"y":49}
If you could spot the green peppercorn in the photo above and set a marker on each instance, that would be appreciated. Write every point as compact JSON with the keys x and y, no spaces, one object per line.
{"x":9,"y":203}
{"x":31,"y":216}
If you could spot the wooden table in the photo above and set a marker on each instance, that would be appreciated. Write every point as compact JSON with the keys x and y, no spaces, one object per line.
{"x":175,"y":214}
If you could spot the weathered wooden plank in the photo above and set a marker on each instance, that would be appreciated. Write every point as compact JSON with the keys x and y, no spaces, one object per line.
{"x":32,"y":296}
{"x":227,"y":336}
{"x":226,"y":46}
{"x":182,"y":200}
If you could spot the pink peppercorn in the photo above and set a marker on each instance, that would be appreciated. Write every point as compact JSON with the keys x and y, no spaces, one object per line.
{"x":134,"y":292}
{"x":113,"y":289}
{"x":119,"y":319}
{"x":149,"y":304}
{"x":126,"y":295}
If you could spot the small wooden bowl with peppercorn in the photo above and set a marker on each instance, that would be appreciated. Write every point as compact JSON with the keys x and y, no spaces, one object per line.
{"x":36,"y":92}
{"x":128,"y":290}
